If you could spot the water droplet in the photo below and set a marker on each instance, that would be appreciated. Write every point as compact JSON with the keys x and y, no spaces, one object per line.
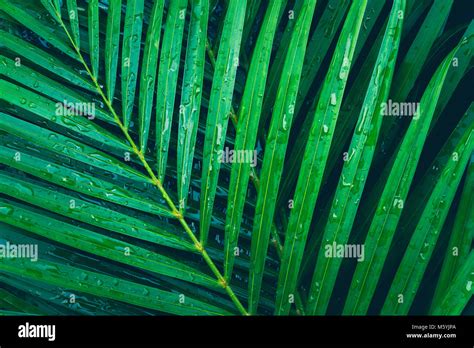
{"x":285,"y":123}
{"x":219,"y":134}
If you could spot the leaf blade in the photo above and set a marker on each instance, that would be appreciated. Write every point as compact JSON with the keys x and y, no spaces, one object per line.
{"x":99,"y":244}
{"x":167,"y":81}
{"x":461,"y":238}
{"x":78,"y":181}
{"x":191,"y":97}
{"x":93,"y":27}
{"x":425,"y":236}
{"x":112,"y":41}
{"x":312,"y":170}
{"x":106,"y":286}
{"x":249,"y":115}
{"x":148,"y":74}
{"x":219,"y":107}
{"x":275,"y":151}
{"x":132,"y":33}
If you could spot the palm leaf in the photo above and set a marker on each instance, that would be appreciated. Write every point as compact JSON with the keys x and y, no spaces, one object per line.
{"x":93,"y":16}
{"x":100,"y":245}
{"x":385,"y":221}
{"x":141,"y":215}
{"x":461,"y":237}
{"x":148,"y":74}
{"x":246,"y":137}
{"x":132,"y":33}
{"x":423,"y":240}
{"x":93,"y":214}
{"x":74,"y":19}
{"x":355,"y":169}
{"x":38,"y":25}
{"x":112,"y":39}
{"x":219,"y":108}
{"x":275,"y":151}
{"x":191,"y":97}
{"x":42,"y":58}
{"x":460,"y":290}
{"x":393,"y":198}
{"x":167,"y":79}
{"x":109,"y":287}
{"x":316,"y":150}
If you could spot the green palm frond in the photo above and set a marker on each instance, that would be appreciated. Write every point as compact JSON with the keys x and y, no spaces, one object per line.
{"x":118,"y":162}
